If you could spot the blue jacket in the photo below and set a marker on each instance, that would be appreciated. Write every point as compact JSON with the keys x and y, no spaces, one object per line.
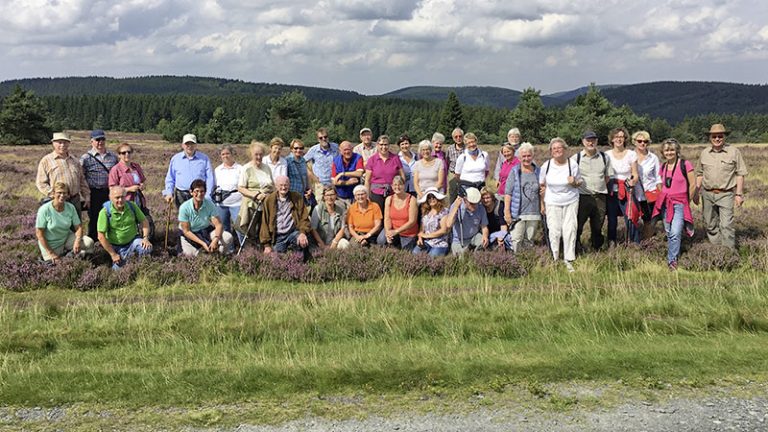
{"x":514,"y":188}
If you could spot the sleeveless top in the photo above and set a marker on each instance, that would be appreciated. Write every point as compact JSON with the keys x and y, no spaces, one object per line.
{"x":399,"y":217}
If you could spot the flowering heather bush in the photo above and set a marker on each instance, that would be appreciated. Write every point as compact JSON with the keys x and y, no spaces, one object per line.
{"x":755,"y":252}
{"x":496,"y":263}
{"x":708,"y":257}
{"x":537,"y":256}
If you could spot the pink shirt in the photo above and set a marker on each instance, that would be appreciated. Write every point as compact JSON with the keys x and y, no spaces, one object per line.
{"x":382,"y":172}
{"x":121,"y":175}
{"x":675,"y":194}
{"x":506,"y":168}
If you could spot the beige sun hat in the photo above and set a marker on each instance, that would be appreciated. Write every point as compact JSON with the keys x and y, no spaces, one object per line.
{"x":431,"y":191}
{"x":718,"y":128}
{"x":61,"y":136}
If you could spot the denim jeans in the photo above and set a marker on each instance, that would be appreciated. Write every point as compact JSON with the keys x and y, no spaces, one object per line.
{"x":674,"y":233}
{"x":228,"y":215}
{"x":287,"y":241}
{"x":125,"y":251}
{"x":616,"y":208}
{"x":432,"y":251}
{"x":400,"y":242}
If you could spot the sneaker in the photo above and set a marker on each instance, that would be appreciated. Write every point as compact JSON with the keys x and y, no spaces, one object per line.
{"x":569,"y":266}
{"x":673,"y":266}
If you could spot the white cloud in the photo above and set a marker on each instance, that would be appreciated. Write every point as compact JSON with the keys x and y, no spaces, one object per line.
{"x":660,"y":51}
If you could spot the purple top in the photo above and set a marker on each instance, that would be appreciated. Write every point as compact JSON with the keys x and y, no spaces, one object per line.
{"x":382,"y":172}
{"x":506,"y":168}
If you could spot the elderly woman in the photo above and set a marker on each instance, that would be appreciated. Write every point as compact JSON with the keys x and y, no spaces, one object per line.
{"x":494,"y":210}
{"x":433,"y":237}
{"x":513,"y":140}
{"x":54,"y":224}
{"x":380,"y":169}
{"x":508,"y":161}
{"x":674,"y":202}
{"x":254,"y":185}
{"x":364,"y":218}
{"x":522,"y":202}
{"x":438,"y":140}
{"x":471,"y":165}
{"x":129,"y":175}
{"x":648,"y":169}
{"x":226,"y":196}
{"x":624,"y":164}
{"x":276,"y":163}
{"x":408,"y":160}
{"x":327,"y":221}
{"x":559,"y":177}
{"x":428,"y":171}
{"x":400,"y":218}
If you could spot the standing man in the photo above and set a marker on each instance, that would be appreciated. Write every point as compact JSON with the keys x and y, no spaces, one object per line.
{"x":320,"y":162}
{"x":96,"y":164}
{"x":366,"y":148}
{"x":347,"y":172}
{"x":118,"y":224}
{"x":186,"y":166}
{"x":59,"y":166}
{"x":595,"y":168}
{"x":720,"y":174}
{"x":454,"y":150}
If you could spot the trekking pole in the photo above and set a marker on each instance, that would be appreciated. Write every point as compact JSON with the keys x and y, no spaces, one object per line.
{"x":248,"y":231}
{"x":168,"y":224}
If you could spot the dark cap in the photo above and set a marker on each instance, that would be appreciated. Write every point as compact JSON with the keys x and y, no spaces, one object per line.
{"x":98,"y":134}
{"x":589,"y":135}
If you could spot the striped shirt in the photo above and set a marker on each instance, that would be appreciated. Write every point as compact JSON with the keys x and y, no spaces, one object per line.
{"x":66,"y":169}
{"x":453,"y":155}
{"x":96,"y":168}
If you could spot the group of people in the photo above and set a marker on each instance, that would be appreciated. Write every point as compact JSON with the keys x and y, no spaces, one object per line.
{"x":434,"y":200}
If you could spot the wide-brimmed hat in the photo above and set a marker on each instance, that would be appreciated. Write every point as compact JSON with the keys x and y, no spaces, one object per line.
{"x":61,"y":136}
{"x":718,"y":128}
{"x":431,"y":191}
{"x":473,"y":195}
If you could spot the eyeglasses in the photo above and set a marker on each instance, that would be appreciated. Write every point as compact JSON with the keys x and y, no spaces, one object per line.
{"x":323,"y":137}
{"x":126,"y":152}
{"x":458,"y":136}
{"x":298,"y":148}
{"x":100,"y":139}
{"x":718,"y":136}
{"x":642,"y":141}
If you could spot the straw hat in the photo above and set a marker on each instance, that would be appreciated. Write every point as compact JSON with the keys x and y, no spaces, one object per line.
{"x":718,"y":128}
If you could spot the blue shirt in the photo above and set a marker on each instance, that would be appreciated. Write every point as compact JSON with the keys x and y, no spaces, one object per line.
{"x":198,"y":219}
{"x":183,"y":170}
{"x":322,"y":160}
{"x":297,"y":174}
{"x":471,"y":223}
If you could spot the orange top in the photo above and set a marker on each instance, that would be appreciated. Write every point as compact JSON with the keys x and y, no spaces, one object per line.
{"x":399,"y":217}
{"x":363,"y":221}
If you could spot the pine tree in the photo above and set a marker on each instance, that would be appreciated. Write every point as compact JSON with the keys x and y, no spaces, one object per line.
{"x":22,"y":119}
{"x":529,"y":116}
{"x":452,"y":115}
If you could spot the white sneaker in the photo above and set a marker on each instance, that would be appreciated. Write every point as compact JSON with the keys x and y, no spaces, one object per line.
{"x":569,"y":266}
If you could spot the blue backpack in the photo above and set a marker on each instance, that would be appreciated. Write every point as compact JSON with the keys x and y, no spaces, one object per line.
{"x":108,"y":210}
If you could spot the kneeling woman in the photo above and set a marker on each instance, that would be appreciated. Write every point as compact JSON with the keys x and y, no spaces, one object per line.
{"x":363,"y":218}
{"x":53,"y":228}
{"x":674,"y":202}
{"x":433,"y":237}
{"x":400,"y":218}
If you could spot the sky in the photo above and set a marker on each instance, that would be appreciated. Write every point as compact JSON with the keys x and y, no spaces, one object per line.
{"x":377,"y":46}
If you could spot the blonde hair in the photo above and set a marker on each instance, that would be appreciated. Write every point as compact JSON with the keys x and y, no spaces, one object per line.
{"x":641,"y":133}
{"x":61,"y":187}
{"x":470,"y":136}
{"x":258,"y":145}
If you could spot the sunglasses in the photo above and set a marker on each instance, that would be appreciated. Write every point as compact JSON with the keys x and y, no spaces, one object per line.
{"x":642,"y":141}
{"x":323,"y":137}
{"x":298,"y":148}
{"x":127,"y":152}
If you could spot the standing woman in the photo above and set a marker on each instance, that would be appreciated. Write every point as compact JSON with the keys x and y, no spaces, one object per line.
{"x":276,"y":163}
{"x":513,"y":140}
{"x":471,"y":165}
{"x":559,"y":177}
{"x":254,"y":185}
{"x":648,"y":169}
{"x":400,"y":218}
{"x":428,"y":171}
{"x":522,"y":201}
{"x":674,"y":202}
{"x":624,"y":164}
{"x":380,"y":169}
{"x":226,"y":196}
{"x":129,"y":175}
{"x":507,"y":161}
{"x":408,"y":160}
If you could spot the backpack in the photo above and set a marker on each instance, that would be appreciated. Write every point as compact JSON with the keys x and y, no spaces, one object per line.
{"x":602,"y":155}
{"x":108,"y":210}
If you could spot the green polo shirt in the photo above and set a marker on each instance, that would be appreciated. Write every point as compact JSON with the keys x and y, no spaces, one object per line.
{"x":122,"y":227}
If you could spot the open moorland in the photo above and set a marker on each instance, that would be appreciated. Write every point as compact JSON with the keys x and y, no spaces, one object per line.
{"x":219,"y":342}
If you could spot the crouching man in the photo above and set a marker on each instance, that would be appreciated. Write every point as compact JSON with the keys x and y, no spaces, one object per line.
{"x":117,"y":228}
{"x":285,"y":220}
{"x":200,"y":226}
{"x":470,"y":232}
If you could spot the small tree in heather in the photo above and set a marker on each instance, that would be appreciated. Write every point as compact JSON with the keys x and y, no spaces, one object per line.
{"x":22,"y":119}
{"x":529,"y":116}
{"x":452,"y":115}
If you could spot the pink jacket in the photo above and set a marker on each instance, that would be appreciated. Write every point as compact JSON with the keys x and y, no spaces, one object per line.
{"x":122,"y":175}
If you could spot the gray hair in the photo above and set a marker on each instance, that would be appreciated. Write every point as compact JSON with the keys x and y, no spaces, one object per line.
{"x":227,"y":147}
{"x":397,"y":179}
{"x":526,"y":146}
{"x":425,"y":144}
{"x":457,"y":130}
{"x":557,"y":140}
{"x":671,"y":142}
{"x":514,"y":131}
{"x":438,"y":137}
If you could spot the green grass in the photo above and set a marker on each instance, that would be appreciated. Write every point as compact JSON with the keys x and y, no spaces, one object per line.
{"x":236,"y":340}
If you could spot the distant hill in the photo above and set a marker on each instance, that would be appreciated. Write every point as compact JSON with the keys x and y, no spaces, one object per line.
{"x":564,"y":97}
{"x":497,"y":97}
{"x":168,"y":85}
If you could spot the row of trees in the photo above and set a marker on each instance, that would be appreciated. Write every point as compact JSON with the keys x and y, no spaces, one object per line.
{"x":25,"y":118}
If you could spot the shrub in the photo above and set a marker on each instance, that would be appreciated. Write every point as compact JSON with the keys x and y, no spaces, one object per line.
{"x":709,"y":257}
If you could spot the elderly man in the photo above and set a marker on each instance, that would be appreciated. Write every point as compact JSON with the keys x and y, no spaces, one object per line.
{"x":285,"y":220}
{"x":117,"y":225}
{"x":320,"y":161}
{"x":60,"y":166}
{"x":347,"y":172}
{"x":96,"y":164}
{"x":366,"y":148}
{"x":720,"y":174}
{"x":199,"y":223}
{"x":186,"y":166}
{"x":469,"y":223}
{"x":454,"y":151}
{"x":595,"y":168}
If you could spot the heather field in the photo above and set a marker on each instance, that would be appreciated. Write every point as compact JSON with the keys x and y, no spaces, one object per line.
{"x":278,"y":339}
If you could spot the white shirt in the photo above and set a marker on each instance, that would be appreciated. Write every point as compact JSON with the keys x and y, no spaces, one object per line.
{"x":622,"y":168}
{"x":472,"y":170}
{"x":227,"y":179}
{"x":278,"y":169}
{"x":558,"y":191}
{"x":649,"y":172}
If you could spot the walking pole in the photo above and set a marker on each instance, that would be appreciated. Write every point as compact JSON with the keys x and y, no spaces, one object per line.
{"x":168,"y":224}
{"x":248,"y":231}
